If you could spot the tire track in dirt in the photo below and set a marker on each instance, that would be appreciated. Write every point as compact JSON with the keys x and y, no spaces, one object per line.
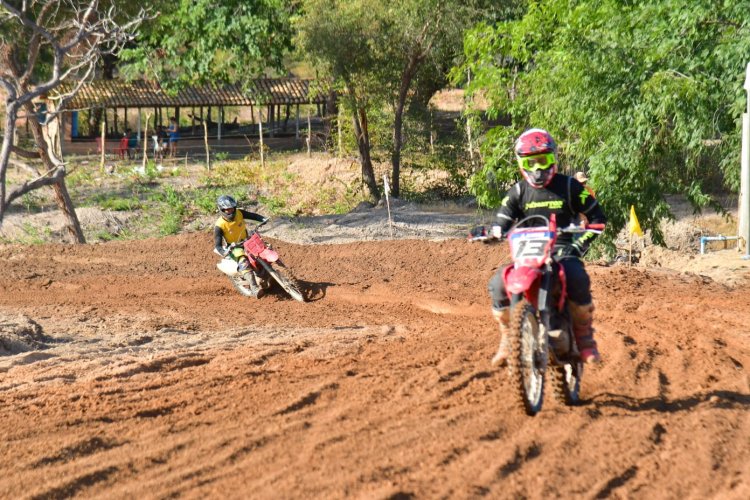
{"x":154,"y":378}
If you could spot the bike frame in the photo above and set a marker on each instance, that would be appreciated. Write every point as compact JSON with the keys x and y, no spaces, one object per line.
{"x":256,"y":248}
{"x":530,"y":275}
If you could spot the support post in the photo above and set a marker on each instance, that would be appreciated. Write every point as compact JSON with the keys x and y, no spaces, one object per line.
{"x":271,"y":120}
{"x":145,"y":139}
{"x":630,"y":250}
{"x":296,"y":125}
{"x":260,"y":135}
{"x":138,"y":136}
{"x":104,"y":143}
{"x":744,"y":208}
{"x":432,"y":134}
{"x":221,"y":120}
{"x":338,"y":126}
{"x":309,"y":134}
{"x":205,"y":142}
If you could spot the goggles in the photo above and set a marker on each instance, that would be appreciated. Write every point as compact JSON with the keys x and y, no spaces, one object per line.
{"x":537,"y":162}
{"x":228,"y":211}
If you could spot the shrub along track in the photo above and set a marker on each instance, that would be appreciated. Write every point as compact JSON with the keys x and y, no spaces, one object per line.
{"x":148,"y":376}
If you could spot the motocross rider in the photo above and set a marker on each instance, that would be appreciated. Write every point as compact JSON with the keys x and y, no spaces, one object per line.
{"x":230,"y":228}
{"x":543,"y":192}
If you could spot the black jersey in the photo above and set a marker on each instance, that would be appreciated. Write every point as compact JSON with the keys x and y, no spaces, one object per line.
{"x":564,"y":196}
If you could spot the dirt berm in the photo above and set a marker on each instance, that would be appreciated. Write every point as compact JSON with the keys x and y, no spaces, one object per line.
{"x":133,"y":370}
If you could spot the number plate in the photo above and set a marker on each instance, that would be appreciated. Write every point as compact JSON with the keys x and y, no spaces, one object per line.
{"x":531,"y":246}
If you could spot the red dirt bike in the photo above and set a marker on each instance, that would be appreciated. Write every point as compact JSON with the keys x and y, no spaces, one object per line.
{"x":266,"y":264}
{"x":541,"y":332}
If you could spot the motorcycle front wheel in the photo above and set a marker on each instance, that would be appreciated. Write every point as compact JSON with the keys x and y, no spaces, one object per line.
{"x":284,"y":278}
{"x":528,"y":359}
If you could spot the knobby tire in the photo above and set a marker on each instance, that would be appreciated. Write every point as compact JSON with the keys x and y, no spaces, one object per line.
{"x":242,"y":286}
{"x":284,"y":278}
{"x":567,"y":391}
{"x":523,"y":316}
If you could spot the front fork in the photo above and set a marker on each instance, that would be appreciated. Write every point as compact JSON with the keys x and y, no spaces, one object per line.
{"x":544,"y":311}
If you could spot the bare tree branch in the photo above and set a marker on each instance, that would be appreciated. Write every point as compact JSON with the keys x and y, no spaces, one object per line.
{"x":48,"y":179}
{"x":24,"y":153}
{"x":34,"y":44}
{"x":75,"y":34}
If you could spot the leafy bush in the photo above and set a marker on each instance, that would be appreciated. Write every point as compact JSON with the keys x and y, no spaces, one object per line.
{"x":205,"y":199}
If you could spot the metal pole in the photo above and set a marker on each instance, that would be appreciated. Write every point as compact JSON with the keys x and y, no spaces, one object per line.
{"x":744,"y":208}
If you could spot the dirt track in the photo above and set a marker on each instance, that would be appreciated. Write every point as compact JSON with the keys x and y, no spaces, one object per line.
{"x":139,"y":372}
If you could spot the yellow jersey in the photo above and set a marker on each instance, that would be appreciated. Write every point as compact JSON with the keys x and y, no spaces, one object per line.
{"x":234,"y":230}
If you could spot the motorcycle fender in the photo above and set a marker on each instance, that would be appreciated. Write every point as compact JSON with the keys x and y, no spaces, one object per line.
{"x":227,"y":266}
{"x":269,"y":255}
{"x":520,"y":279}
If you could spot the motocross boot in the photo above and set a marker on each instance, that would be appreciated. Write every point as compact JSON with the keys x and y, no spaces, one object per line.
{"x":582,"y":317}
{"x":503,"y":351}
{"x":251,"y":280}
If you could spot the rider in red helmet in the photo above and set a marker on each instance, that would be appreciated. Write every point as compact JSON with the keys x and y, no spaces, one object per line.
{"x":544,"y":192}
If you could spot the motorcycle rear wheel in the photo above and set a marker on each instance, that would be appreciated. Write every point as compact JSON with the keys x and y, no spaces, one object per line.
{"x":528,"y":359}
{"x":242,"y":286}
{"x":284,"y":278}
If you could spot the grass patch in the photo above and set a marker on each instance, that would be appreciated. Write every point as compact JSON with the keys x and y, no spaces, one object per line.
{"x":35,"y":235}
{"x":118,"y":204}
{"x":171,"y":223}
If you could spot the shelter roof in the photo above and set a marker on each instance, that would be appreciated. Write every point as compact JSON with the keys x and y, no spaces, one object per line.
{"x":143,"y":94}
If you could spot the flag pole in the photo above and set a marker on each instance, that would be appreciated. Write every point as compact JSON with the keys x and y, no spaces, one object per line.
{"x":630,"y":251}
{"x":387,"y":190}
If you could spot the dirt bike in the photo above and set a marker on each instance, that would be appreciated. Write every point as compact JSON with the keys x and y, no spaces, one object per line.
{"x":264,"y":262}
{"x":541,"y":332}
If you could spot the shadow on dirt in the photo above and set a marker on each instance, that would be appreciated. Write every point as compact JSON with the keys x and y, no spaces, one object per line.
{"x":716,"y":399}
{"x":314,"y":291}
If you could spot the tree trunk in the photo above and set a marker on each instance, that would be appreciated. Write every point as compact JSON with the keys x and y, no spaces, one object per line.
{"x":398,"y":123}
{"x":66,"y":206}
{"x":9,"y":130}
{"x":51,"y":162}
{"x":363,"y":143}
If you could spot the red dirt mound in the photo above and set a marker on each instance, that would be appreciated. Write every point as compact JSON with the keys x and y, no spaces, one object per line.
{"x":151,"y":377}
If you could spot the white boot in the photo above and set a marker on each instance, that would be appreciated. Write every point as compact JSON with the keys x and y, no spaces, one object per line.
{"x":503,"y":351}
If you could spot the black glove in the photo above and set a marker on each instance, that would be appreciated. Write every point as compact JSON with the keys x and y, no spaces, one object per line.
{"x":572,"y":250}
{"x":478,"y":231}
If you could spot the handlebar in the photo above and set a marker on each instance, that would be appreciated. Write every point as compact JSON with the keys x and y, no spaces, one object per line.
{"x":250,"y":233}
{"x":488,"y":236}
{"x":573,"y":229}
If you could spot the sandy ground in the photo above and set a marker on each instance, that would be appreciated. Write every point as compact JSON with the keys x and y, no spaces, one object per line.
{"x":133,"y":369}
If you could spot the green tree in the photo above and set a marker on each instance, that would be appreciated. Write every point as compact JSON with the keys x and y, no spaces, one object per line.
{"x":341,"y":37}
{"x":646,"y":95}
{"x":386,"y":54}
{"x":194,"y":42}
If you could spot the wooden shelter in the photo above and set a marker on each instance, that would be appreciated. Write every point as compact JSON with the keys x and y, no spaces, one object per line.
{"x":273,"y":94}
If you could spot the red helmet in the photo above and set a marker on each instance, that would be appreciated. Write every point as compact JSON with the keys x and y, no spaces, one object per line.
{"x":536,"y":152}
